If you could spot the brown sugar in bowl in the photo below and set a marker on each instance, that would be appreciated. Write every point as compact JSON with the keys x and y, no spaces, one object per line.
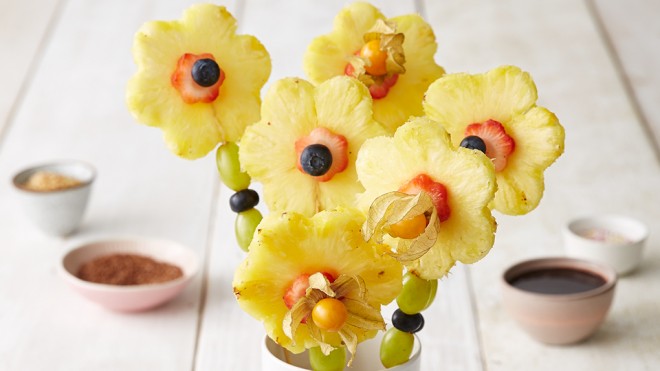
{"x":133,"y":297}
{"x":128,"y":269}
{"x":558,"y":315}
{"x":54,"y":196}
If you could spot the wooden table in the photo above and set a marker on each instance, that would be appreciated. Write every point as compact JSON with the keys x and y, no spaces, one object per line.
{"x":65,"y":64}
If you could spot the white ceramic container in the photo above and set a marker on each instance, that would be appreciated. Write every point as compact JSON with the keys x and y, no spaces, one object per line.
{"x":275,"y":358}
{"x":57,"y":212}
{"x":617,"y":241}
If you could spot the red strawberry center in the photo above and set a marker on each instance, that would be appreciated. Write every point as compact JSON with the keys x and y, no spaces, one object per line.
{"x":193,"y":81}
{"x":298,"y":288}
{"x":381,"y":86}
{"x":499,"y":145}
{"x":437,"y":191}
{"x":322,"y":154}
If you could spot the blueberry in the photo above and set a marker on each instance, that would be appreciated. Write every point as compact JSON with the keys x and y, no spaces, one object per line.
{"x":205,"y":72}
{"x":316,"y":159}
{"x":474,"y":142}
{"x":243,"y":200}
{"x":411,"y":323}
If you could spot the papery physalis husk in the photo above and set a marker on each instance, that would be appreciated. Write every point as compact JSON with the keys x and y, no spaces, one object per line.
{"x":391,"y":42}
{"x":352,"y":292}
{"x":394,"y":207}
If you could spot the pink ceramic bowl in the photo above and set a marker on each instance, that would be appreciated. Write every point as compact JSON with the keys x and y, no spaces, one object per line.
{"x":537,"y":294}
{"x":135,"y":297}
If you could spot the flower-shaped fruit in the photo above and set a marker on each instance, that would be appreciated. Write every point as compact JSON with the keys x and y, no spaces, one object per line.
{"x":315,"y":281}
{"x":457,"y":183}
{"x":197,"y":80}
{"x":393,"y":57}
{"x":304,"y":148}
{"x":496,"y":113}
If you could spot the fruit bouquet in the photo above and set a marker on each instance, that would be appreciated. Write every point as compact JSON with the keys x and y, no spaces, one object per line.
{"x":380,"y":172}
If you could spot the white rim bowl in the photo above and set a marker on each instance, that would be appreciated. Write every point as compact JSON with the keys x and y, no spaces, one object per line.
{"x":623,"y":256}
{"x":57,"y":212}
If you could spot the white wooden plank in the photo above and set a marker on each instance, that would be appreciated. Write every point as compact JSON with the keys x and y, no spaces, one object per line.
{"x":142,"y":189}
{"x":634,"y":33}
{"x":75,"y":109}
{"x":608,"y":166}
{"x":449,"y":337}
{"x":23,"y":26}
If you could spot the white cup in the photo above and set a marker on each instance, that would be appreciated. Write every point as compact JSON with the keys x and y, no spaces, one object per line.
{"x":275,"y":358}
{"x":57,"y":212}
{"x":614,"y":240}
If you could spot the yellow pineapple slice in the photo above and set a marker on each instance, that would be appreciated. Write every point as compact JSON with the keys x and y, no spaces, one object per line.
{"x":530,"y":138}
{"x":165,"y":93}
{"x":461,"y":183}
{"x":304,"y":148}
{"x":284,"y":256}
{"x":409,"y":65}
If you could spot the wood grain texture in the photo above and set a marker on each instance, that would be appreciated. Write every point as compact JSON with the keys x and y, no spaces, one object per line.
{"x":75,"y":109}
{"x":631,"y":29}
{"x":24,"y":26}
{"x":608,"y":167}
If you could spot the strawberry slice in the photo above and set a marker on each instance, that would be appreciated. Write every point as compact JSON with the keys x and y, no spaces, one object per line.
{"x":182,"y":79}
{"x":437,"y":191}
{"x":377,"y":90}
{"x":349,"y":70}
{"x":298,"y":288}
{"x":499,"y":145}
{"x":336,"y":143}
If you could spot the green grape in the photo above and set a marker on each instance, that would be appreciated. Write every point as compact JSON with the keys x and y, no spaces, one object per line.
{"x":229,"y":167}
{"x":434,"y":290}
{"x":417,"y":294}
{"x":246,"y":223}
{"x":396,"y":347}
{"x":334,"y":361}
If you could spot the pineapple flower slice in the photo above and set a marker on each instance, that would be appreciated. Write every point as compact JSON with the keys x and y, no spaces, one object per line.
{"x":279,"y":279}
{"x":352,"y":293}
{"x":296,"y":117}
{"x":532,"y":137}
{"x":460,"y":183}
{"x":197,"y":110}
{"x":405,"y":46}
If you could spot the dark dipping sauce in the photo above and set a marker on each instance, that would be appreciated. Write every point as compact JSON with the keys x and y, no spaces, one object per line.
{"x":557,"y":281}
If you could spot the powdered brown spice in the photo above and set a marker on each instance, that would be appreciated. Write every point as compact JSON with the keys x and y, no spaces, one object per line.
{"x":128,"y":269}
{"x":43,"y":181}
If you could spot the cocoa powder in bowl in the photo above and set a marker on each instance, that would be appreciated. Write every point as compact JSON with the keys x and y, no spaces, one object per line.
{"x":128,"y":269}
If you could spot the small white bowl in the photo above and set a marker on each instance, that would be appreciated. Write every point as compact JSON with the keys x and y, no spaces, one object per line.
{"x":367,"y":358}
{"x":57,"y":212}
{"x":131,"y":298}
{"x":617,"y":241}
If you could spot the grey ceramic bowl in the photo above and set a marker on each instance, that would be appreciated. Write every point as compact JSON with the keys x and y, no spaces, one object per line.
{"x":57,"y":212}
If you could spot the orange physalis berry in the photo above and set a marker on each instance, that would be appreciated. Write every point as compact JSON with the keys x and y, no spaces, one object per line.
{"x":409,"y":228}
{"x":329,"y":314}
{"x":377,"y":58}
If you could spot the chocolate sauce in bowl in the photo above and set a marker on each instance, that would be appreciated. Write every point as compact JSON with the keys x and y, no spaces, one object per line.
{"x":557,"y":281}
